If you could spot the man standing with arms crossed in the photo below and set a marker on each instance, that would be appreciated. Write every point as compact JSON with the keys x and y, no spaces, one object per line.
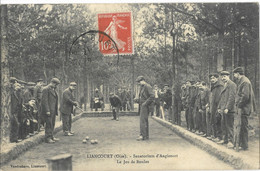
{"x":146,"y":97}
{"x":49,"y":108}
{"x":66,"y":108}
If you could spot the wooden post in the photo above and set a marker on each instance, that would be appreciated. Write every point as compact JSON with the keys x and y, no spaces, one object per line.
{"x":62,"y":162}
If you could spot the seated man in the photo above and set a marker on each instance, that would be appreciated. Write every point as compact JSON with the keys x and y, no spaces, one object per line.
{"x":98,"y":100}
{"x":116,"y":103}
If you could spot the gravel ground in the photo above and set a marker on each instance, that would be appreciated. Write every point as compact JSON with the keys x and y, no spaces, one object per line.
{"x":164,"y":150}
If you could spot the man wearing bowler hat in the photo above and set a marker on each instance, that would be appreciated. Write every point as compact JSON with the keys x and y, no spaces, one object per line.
{"x":49,"y":107}
{"x":245,"y":104}
{"x":146,"y":97}
{"x":66,"y":108}
{"x":226,"y":108}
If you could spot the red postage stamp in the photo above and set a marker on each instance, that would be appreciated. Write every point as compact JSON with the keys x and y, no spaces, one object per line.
{"x":118,"y":26}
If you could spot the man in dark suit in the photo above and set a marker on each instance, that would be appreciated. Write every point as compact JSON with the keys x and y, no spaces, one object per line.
{"x":244,"y":103}
{"x":215,"y":118}
{"x":16,"y":109}
{"x":226,"y":108}
{"x":116,"y":103}
{"x":146,"y":97}
{"x":66,"y":108}
{"x":49,"y":107}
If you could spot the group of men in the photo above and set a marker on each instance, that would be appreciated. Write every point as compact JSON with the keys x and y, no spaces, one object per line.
{"x":125,"y":95}
{"x":49,"y":109}
{"x":35,"y":108}
{"x":25,"y":115}
{"x":211,"y":112}
{"x":215,"y":112}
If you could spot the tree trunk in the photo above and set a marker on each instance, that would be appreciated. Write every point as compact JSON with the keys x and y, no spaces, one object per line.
{"x":133,"y":82}
{"x":173,"y":63}
{"x":5,"y":82}
{"x":85,"y":77}
{"x":220,"y":61}
{"x":233,"y":51}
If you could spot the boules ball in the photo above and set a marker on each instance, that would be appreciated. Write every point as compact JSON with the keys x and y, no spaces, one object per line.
{"x":92,"y":141}
{"x":84,"y":141}
{"x":87,"y":138}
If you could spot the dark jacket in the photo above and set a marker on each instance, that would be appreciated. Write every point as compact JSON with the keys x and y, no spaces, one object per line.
{"x":16,"y":104}
{"x":167,"y":98}
{"x":27,"y":95}
{"x":192,"y":96}
{"x":215,"y":97}
{"x":124,"y":96}
{"x":37,"y":93}
{"x":115,"y":101}
{"x":245,"y":99}
{"x":67,"y":102}
{"x":227,"y":100}
{"x":49,"y":101}
{"x":204,"y":98}
{"x":146,"y":95}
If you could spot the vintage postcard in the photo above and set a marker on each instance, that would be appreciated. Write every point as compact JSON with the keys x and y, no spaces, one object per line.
{"x":130,"y":86}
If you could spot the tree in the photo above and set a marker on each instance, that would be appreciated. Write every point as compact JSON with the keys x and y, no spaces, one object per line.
{"x":5,"y":83}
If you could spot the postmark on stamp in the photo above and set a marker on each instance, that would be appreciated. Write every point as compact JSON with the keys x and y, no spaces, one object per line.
{"x":119,"y":27}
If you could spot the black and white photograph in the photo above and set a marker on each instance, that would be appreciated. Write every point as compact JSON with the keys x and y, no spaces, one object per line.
{"x":129,"y":86}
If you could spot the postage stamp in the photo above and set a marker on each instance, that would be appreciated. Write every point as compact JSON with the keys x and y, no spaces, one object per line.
{"x":118,"y":26}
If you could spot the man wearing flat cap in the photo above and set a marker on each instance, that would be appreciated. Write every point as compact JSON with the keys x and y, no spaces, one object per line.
{"x":146,"y":97}
{"x":245,"y":105}
{"x":16,"y":110}
{"x":49,"y":107}
{"x":226,"y":108}
{"x":214,"y":132}
{"x":116,"y":103}
{"x":66,"y":108}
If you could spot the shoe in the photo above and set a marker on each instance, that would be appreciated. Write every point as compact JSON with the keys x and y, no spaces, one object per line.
{"x":50,"y":141}
{"x":28,"y":136}
{"x":193,"y":130}
{"x":31,"y":134}
{"x":68,"y":134}
{"x":72,"y":132}
{"x":19,"y":140}
{"x":204,"y":135}
{"x":216,"y":140}
{"x":201,"y":133}
{"x":230,"y":145}
{"x":55,"y":139}
{"x":36,"y":132}
{"x":140,"y":138}
{"x":197,"y":132}
{"x":146,"y":138}
{"x":117,"y":119}
{"x":220,"y":142}
{"x":209,"y":138}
